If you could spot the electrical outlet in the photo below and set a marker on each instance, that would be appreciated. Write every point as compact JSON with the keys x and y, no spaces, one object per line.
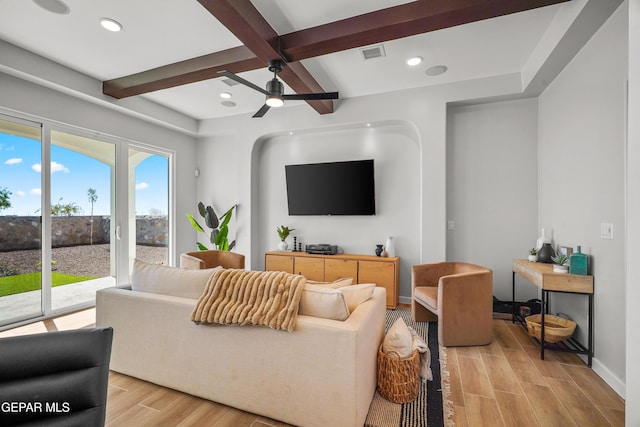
{"x":451,"y":225}
{"x":606,"y":230}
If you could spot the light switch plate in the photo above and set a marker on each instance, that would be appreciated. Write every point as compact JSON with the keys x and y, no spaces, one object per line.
{"x":606,"y":230}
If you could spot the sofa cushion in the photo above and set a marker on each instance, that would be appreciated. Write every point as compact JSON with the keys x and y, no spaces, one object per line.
{"x":398,"y":339}
{"x":323,"y":301}
{"x":338,"y":283}
{"x":161,"y":279}
{"x":357,"y":294}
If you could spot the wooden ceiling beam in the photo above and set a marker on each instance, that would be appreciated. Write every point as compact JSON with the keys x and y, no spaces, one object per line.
{"x":249,"y":26}
{"x":397,"y":22}
{"x":236,"y":60}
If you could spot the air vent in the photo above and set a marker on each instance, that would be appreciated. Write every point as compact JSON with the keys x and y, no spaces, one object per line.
{"x":372,"y":52}
{"x":230,"y":82}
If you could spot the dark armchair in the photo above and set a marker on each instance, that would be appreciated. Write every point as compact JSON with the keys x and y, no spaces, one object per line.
{"x":55,"y":378}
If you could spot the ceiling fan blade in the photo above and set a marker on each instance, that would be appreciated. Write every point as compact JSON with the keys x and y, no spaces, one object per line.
{"x":239,"y":79}
{"x":262,"y":111}
{"x":311,"y":96}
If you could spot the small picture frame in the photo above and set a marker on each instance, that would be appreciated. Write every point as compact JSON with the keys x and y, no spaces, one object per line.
{"x":566,"y":250}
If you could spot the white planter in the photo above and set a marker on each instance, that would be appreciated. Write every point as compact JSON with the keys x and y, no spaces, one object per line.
{"x":533,"y":258}
{"x":283,"y":246}
{"x":560,"y":268}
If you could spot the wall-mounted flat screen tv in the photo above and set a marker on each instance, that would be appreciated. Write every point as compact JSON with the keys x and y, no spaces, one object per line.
{"x":337,"y":188}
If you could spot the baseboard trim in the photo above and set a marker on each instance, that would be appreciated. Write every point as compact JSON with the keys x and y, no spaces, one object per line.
{"x":607,"y":376}
{"x":404,"y":300}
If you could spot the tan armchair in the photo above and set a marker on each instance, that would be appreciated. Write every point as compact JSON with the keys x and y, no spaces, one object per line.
{"x":459,"y":296}
{"x":212,"y":258}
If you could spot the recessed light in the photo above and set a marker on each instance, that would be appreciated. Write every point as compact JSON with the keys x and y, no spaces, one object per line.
{"x":436,"y":70}
{"x":416,"y":60}
{"x":225,"y":95}
{"x":110,"y":24}
{"x":54,"y":6}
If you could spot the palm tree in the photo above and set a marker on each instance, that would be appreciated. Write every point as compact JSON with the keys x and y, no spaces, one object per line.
{"x":93,"y":197}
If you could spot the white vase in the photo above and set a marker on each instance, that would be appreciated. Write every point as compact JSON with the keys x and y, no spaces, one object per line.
{"x":390,"y":247}
{"x":283,"y":246}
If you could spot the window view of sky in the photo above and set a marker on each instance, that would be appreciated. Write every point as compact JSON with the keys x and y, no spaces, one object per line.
{"x":73,"y":174}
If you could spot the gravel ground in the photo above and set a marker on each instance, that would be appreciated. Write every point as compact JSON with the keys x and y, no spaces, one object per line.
{"x":87,"y":260}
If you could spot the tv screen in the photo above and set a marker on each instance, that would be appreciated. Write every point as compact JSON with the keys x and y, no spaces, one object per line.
{"x":337,"y":188}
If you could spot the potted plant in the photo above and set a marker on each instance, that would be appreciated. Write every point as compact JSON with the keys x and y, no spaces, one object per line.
{"x":283,"y":233}
{"x":560,"y":263}
{"x":219,"y":227}
{"x":533,"y":255}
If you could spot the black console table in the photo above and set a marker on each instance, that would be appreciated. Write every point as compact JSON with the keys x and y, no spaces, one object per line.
{"x":542,"y":276}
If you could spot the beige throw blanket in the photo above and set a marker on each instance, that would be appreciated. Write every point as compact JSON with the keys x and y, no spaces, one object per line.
{"x":245,"y":297}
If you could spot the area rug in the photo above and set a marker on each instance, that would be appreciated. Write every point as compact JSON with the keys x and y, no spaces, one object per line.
{"x":432,"y":407}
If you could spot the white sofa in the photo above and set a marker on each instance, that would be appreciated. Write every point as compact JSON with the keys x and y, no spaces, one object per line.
{"x":321,"y":374}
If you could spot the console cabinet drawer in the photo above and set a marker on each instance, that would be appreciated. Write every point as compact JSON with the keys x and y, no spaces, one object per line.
{"x":384,"y":272}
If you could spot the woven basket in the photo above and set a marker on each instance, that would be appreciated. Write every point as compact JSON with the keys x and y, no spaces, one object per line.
{"x":556,"y":328}
{"x":398,"y":379}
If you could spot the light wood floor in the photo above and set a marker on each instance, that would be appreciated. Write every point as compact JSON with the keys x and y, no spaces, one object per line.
{"x":506,"y":384}
{"x":502,"y":384}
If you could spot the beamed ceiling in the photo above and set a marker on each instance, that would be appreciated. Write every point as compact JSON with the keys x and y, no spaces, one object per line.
{"x":164,"y":65}
{"x":262,"y":43}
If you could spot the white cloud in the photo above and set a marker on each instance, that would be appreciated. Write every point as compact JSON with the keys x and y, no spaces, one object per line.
{"x":142,"y":186}
{"x":20,"y":193}
{"x":55,"y":167}
{"x":35,"y":191}
{"x":13,"y":161}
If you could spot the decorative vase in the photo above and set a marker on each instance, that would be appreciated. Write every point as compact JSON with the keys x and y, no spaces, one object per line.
{"x":389,"y":246}
{"x":378,"y":250}
{"x":578,"y":262}
{"x":545,"y":253}
{"x":542,"y":240}
{"x":283,"y":245}
{"x":384,"y":254}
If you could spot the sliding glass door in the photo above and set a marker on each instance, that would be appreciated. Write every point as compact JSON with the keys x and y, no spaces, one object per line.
{"x":83,"y":246}
{"x":20,"y":221}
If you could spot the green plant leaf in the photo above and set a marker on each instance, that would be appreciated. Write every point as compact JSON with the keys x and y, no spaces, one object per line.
{"x":232,"y":245}
{"x":201,"y":209}
{"x":210,"y":218}
{"x":214,"y":236}
{"x":202,"y":247}
{"x":194,"y":223}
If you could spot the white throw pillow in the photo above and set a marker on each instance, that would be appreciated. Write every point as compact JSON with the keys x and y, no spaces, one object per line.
{"x":323,"y":301}
{"x":338,"y":283}
{"x":398,"y":339}
{"x":357,"y":294}
{"x":161,"y":279}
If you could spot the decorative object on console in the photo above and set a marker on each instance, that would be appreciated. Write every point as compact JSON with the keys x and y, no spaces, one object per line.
{"x":219,"y":236}
{"x":283,"y":233}
{"x":533,"y":257}
{"x":545,"y":253}
{"x":384,"y":254}
{"x":390,"y":247}
{"x":378,"y":250}
{"x":578,"y":262}
{"x":542,"y":240}
{"x":560,"y":263}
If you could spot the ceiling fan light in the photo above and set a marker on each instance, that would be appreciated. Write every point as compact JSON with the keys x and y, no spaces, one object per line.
{"x":274,"y":101}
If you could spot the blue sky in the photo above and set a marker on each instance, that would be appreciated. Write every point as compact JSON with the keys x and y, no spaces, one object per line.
{"x":72,"y":176}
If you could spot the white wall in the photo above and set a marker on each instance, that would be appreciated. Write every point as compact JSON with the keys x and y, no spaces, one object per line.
{"x":492,"y":188}
{"x":396,"y":151}
{"x":239,"y":139}
{"x":31,"y":100}
{"x":581,"y":178}
{"x":632,"y":410}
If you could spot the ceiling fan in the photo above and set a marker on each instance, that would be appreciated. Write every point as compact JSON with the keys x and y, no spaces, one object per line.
{"x":275,"y":89}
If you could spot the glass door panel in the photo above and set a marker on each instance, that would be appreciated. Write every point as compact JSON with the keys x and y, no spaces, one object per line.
{"x":82,"y":218}
{"x":149,"y":220}
{"x":20,"y":221}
